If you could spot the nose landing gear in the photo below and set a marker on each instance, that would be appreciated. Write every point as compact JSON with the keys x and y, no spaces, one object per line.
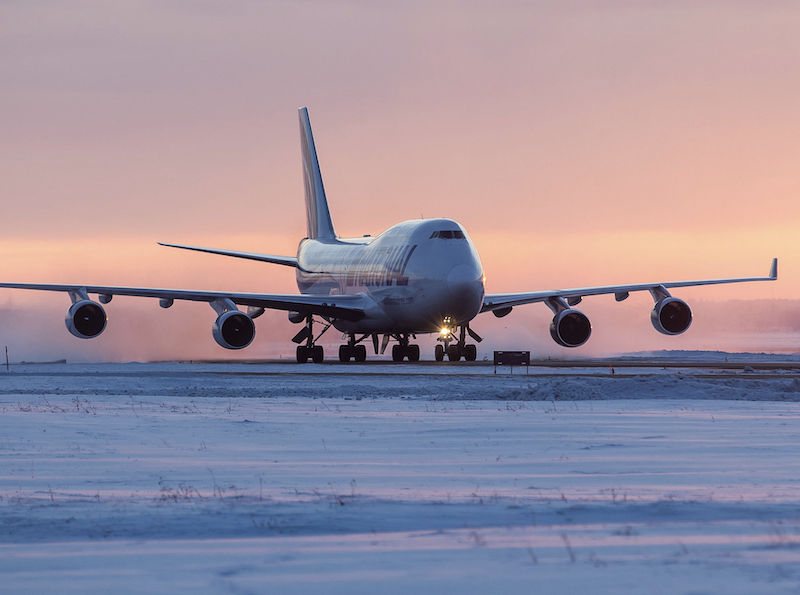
{"x":454,"y":348}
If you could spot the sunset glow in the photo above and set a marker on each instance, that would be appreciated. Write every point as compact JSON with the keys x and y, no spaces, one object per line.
{"x":579,"y":143}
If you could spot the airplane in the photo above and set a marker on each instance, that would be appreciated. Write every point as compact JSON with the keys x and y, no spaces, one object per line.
{"x":420,"y":276}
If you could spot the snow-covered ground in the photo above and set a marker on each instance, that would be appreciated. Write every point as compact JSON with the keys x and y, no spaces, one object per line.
{"x":165,"y":478}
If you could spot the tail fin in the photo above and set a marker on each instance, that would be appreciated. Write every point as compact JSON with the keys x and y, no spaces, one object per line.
{"x":318,"y":216}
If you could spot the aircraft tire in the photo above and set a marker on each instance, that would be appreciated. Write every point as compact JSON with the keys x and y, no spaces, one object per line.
{"x":471,"y":353}
{"x":302,"y":354}
{"x":413,"y":353}
{"x":453,"y":353}
{"x":360,"y":353}
{"x":345,"y":353}
{"x":438,"y":353}
{"x":398,"y":353}
{"x":317,"y":354}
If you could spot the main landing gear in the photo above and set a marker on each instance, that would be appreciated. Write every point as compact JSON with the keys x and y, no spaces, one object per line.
{"x":356,"y":350}
{"x":405,"y":350}
{"x":315,"y":353}
{"x":454,"y":348}
{"x":310,"y":350}
{"x":453,"y":344}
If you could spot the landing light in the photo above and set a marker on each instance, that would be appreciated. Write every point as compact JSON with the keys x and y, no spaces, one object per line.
{"x":444,"y":331}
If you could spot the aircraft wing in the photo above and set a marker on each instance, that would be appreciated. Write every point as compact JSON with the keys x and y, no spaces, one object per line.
{"x":347,"y":307}
{"x":284,"y":260}
{"x":502,"y":301}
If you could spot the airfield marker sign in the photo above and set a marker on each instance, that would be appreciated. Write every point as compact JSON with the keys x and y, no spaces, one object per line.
{"x":512,"y":358}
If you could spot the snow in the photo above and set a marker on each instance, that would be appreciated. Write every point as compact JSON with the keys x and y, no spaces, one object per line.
{"x":217,"y":478}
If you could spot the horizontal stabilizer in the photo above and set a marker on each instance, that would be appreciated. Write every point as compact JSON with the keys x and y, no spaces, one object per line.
{"x":290,"y":261}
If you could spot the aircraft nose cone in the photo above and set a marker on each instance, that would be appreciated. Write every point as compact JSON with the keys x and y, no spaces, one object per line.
{"x":464,"y":282}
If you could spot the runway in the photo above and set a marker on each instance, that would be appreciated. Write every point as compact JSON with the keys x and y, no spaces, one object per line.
{"x":397,"y":478}
{"x":697,"y":376}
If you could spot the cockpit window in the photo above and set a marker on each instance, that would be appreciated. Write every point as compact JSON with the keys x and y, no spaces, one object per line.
{"x":448,"y":235}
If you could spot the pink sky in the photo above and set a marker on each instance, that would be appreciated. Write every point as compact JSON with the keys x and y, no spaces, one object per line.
{"x":580,"y":143}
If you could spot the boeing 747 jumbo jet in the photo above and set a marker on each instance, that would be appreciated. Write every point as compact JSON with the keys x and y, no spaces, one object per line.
{"x":417,"y":277}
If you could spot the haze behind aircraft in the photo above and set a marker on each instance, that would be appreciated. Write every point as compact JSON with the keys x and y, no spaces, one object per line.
{"x":419,"y":276}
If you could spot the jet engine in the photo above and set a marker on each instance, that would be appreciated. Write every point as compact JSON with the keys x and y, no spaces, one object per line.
{"x":671,"y":316}
{"x":85,"y":319}
{"x":570,"y":328}
{"x":233,"y":330}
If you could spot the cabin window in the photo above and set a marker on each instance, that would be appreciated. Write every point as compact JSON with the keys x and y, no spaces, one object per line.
{"x":448,"y":235}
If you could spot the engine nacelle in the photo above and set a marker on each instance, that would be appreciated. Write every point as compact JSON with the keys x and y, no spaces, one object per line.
{"x":85,"y":319}
{"x":570,"y":328}
{"x":233,"y":330}
{"x":671,"y":316}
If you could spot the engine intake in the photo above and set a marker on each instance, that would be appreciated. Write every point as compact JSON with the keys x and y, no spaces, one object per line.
{"x":85,"y":319}
{"x":671,"y":316}
{"x":234,"y":330}
{"x":570,"y":328}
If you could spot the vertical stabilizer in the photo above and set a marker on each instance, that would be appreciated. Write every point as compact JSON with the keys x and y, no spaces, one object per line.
{"x":318,"y":216}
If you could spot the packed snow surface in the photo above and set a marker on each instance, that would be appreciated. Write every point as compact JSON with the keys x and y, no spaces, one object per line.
{"x":218,"y":478}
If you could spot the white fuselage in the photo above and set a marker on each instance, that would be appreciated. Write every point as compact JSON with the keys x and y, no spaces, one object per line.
{"x":416,"y":276}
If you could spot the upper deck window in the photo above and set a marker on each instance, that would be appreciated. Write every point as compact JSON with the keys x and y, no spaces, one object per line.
{"x":448,"y":235}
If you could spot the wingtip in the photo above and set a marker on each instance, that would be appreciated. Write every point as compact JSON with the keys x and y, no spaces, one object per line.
{"x":773,"y":271}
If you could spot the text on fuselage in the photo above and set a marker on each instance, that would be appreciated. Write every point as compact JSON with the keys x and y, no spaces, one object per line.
{"x":380,"y":268}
